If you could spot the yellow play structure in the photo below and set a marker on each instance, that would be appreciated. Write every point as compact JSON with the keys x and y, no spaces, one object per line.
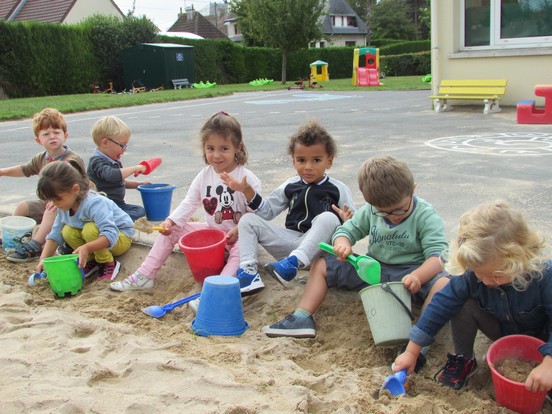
{"x":319,"y":71}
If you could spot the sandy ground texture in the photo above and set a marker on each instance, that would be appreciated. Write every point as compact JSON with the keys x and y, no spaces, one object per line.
{"x":96,"y":352}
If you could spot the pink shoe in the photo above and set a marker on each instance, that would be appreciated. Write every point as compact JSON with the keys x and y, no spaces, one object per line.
{"x":109,"y":271}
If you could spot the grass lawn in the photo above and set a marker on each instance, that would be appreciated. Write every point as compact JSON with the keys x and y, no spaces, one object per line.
{"x":27,"y":107}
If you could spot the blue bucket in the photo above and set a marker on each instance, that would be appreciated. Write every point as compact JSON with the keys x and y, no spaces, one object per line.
{"x":157,"y":200}
{"x":220,"y":311}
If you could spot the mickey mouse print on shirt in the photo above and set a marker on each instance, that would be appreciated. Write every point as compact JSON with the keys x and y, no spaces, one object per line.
{"x":221,"y":206}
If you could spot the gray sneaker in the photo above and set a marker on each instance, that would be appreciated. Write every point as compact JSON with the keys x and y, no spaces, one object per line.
{"x":26,"y":253}
{"x":291,"y":326}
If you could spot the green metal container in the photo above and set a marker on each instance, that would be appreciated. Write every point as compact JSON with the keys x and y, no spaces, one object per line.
{"x":154,"y":65}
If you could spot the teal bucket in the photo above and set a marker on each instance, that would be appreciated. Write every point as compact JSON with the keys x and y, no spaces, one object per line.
{"x":16,"y":231}
{"x":157,"y":200}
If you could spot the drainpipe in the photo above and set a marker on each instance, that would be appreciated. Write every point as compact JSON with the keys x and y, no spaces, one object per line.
{"x":16,"y":11}
{"x":435,"y":76}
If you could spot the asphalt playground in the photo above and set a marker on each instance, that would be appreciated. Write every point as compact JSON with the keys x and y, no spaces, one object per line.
{"x":459,"y":158}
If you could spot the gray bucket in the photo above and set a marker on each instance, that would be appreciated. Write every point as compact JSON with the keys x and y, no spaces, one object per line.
{"x":388,"y":315}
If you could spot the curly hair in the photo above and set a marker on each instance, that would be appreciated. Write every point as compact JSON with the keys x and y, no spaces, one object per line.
{"x":497,"y":231}
{"x":312,"y":133}
{"x":49,"y":118}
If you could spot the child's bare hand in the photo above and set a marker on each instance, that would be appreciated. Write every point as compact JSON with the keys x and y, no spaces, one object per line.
{"x":342,"y":248}
{"x":39,"y":267}
{"x":167,"y":225}
{"x":233,"y":183}
{"x":232,"y":236}
{"x":83,"y":253}
{"x":412,"y":283}
{"x":540,"y":378}
{"x":406,"y":360}
{"x":345,"y":213}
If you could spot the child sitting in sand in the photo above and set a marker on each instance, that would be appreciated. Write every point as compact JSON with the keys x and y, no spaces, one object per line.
{"x":111,"y":136}
{"x":224,"y":153}
{"x":91,"y":224}
{"x":50,"y":131}
{"x":405,"y":234}
{"x":316,"y":204}
{"x":504,"y":287}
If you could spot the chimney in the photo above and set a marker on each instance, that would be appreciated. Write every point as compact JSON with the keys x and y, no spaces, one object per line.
{"x":190,"y":12}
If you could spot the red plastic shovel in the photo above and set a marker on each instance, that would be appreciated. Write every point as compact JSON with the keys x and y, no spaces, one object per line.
{"x":150,"y":166}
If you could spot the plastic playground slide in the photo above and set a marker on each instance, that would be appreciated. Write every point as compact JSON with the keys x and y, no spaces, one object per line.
{"x":367,"y":77}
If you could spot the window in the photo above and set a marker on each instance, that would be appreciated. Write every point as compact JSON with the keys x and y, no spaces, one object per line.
{"x":351,"y":21}
{"x":507,"y":23}
{"x":350,"y":43}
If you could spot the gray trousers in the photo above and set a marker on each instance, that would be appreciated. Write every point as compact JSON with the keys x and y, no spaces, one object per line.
{"x":281,"y":242}
{"x":464,"y":326}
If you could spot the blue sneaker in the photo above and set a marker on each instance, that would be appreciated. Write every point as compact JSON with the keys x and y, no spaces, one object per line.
{"x":291,"y":326}
{"x":283,"y":271}
{"x":249,"y":283}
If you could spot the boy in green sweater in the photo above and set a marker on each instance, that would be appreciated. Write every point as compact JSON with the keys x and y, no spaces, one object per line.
{"x":405,"y":234}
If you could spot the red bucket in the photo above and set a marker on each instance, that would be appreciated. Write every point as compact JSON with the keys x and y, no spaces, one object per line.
{"x":204,"y":251}
{"x":512,"y":394}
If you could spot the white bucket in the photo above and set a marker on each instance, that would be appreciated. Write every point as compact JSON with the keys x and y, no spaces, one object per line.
{"x":389,"y":322}
{"x":16,"y":231}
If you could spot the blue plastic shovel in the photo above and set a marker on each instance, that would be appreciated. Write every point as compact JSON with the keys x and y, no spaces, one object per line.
{"x":34,"y":276}
{"x":395,"y":383}
{"x":158,"y":311}
{"x":368,"y":269}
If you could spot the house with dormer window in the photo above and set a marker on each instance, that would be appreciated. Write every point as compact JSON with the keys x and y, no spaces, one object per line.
{"x":342,"y":26}
{"x":56,"y":11}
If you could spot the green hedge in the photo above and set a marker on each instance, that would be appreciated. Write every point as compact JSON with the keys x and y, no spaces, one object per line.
{"x":401,"y":48}
{"x":38,"y":59}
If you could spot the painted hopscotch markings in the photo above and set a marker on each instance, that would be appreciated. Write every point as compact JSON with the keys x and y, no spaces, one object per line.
{"x":504,"y":143}
{"x":302,"y":97}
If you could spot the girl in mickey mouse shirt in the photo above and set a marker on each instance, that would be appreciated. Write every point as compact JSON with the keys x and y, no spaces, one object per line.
{"x":223,"y":152}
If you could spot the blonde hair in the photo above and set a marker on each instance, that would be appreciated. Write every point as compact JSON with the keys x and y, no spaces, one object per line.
{"x":497,"y":231}
{"x":109,"y":127}
{"x":48,"y":118}
{"x":385,"y":181}
{"x":228,"y":127}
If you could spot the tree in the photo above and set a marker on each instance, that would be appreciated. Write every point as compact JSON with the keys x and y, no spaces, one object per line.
{"x":288,"y":25}
{"x":363,"y":8}
{"x":110,"y":36}
{"x":391,"y":20}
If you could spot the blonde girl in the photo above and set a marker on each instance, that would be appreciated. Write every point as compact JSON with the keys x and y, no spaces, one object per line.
{"x":504,"y":287}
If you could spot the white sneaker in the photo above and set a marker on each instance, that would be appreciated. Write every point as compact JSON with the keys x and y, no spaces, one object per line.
{"x":136,"y":281}
{"x":194,"y":305}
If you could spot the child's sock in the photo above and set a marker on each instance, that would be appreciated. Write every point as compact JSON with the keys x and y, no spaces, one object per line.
{"x":301,"y":313}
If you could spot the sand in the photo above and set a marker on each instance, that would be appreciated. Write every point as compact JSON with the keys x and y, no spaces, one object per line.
{"x":96,"y":352}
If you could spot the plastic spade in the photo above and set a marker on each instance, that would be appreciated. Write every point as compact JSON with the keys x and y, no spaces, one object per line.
{"x":150,"y":166}
{"x":368,"y":269}
{"x":395,"y":383}
{"x":159,"y":311}
{"x":34,"y":276}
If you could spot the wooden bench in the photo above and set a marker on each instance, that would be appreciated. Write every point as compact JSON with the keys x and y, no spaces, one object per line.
{"x":490,"y":91}
{"x":180,"y":83}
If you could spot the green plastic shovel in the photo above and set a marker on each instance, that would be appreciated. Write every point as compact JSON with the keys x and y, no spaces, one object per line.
{"x":368,"y":269}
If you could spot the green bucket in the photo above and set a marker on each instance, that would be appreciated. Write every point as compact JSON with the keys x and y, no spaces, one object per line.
{"x":63,"y":273}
